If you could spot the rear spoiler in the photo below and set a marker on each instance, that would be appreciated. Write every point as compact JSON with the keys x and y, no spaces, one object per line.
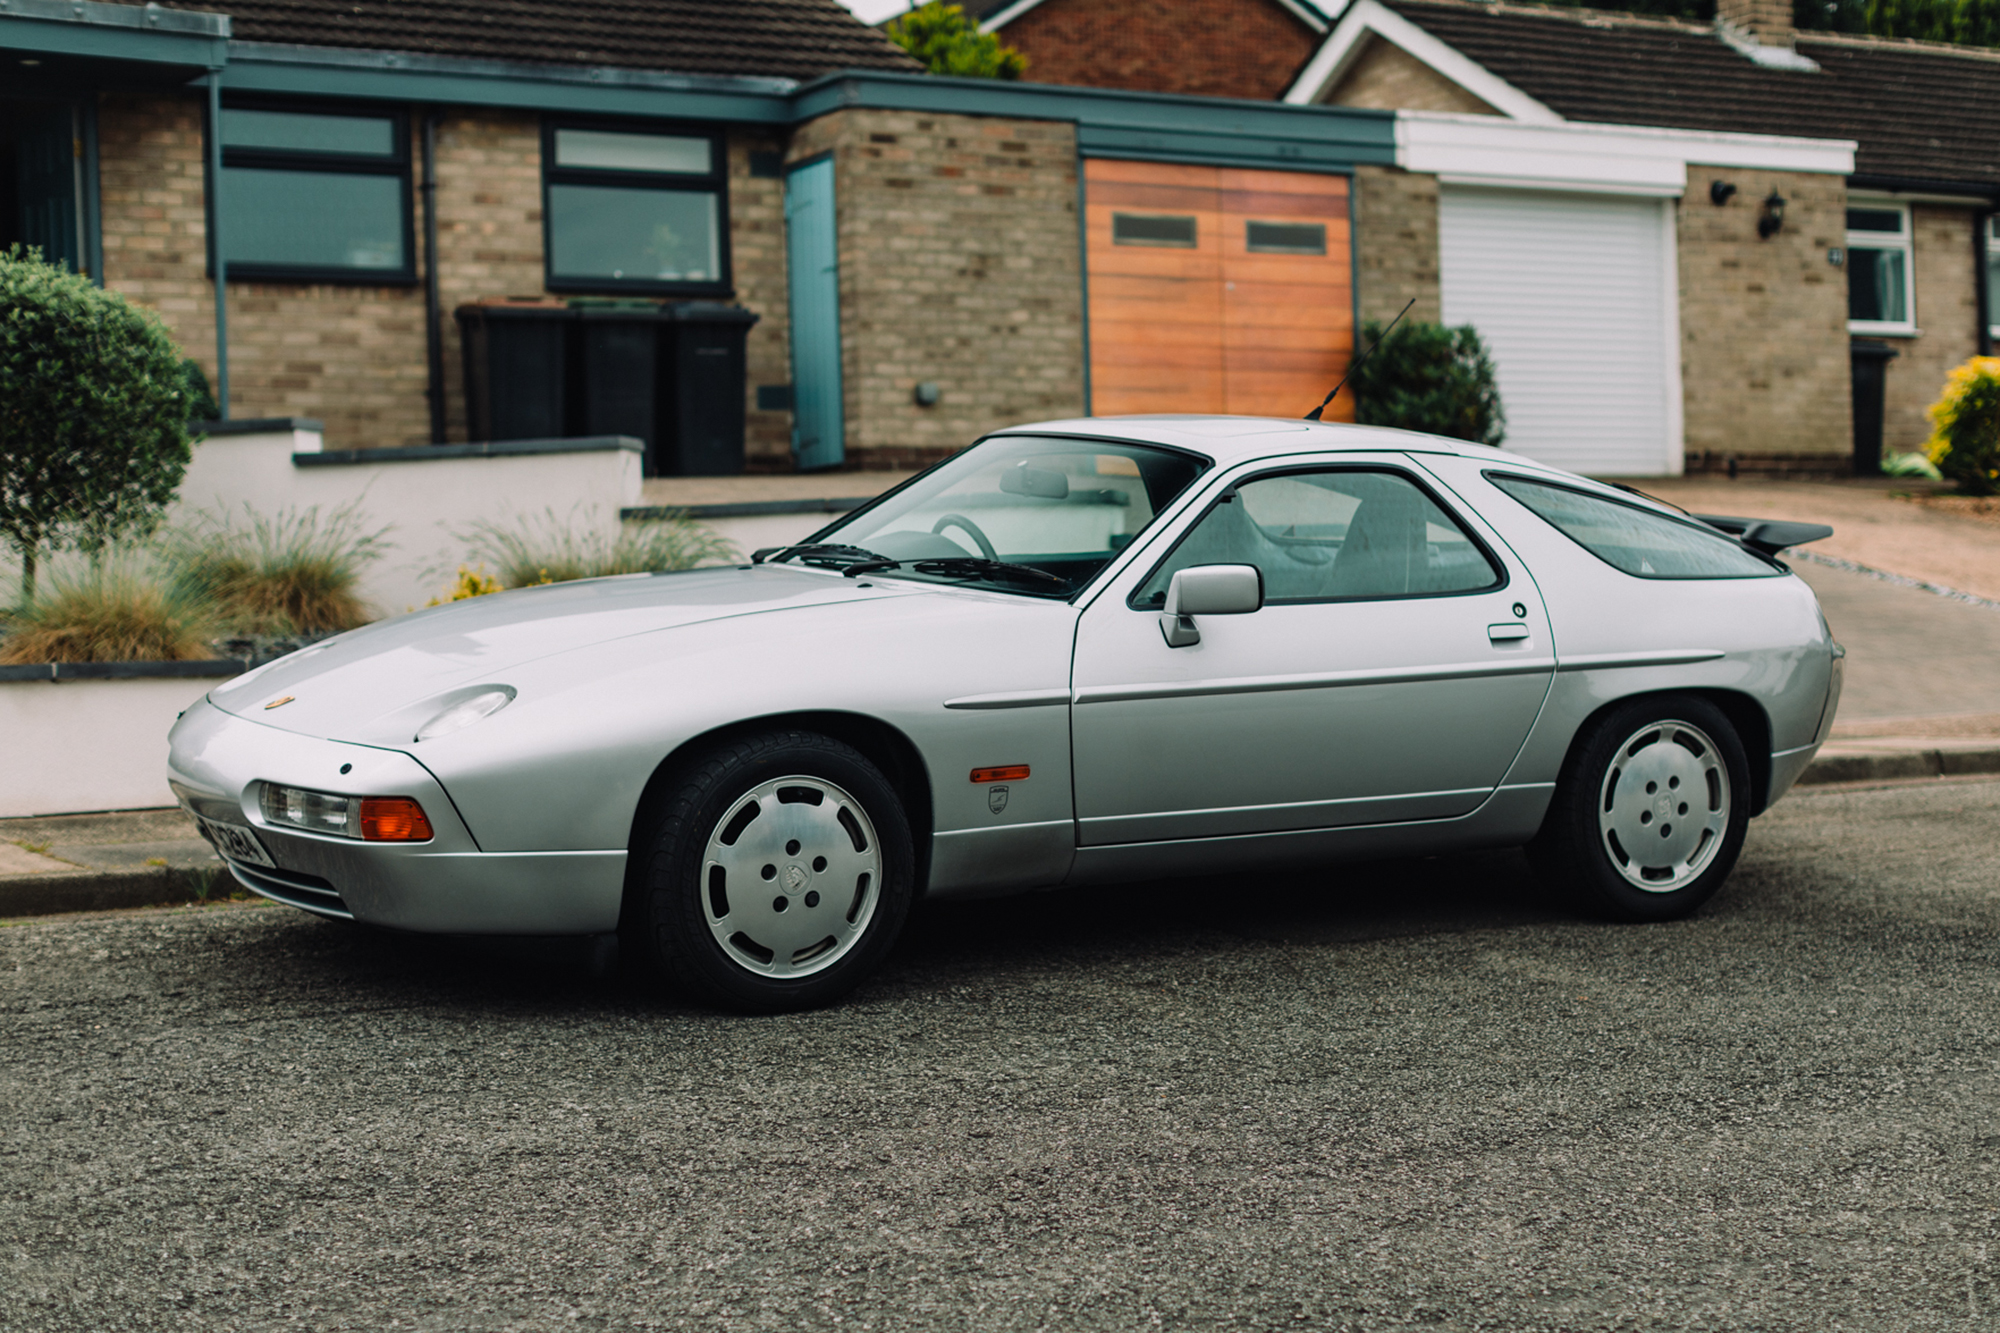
{"x":1766,"y":534}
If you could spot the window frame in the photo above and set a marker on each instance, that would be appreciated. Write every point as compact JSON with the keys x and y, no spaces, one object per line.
{"x":714,"y":182}
{"x":1904,"y":243}
{"x":1227,"y":495}
{"x":397,"y":165}
{"x":1493,"y":476}
{"x":1988,"y":276}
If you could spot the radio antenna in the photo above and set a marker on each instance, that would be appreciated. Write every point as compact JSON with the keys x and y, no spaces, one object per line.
{"x":1314,"y":414}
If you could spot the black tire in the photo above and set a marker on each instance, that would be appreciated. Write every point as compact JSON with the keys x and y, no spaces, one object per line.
{"x":725,"y":894}
{"x":1649,"y":815}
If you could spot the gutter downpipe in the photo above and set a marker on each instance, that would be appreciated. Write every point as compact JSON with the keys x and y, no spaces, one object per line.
{"x":433,"y":312}
{"x":215,"y":244}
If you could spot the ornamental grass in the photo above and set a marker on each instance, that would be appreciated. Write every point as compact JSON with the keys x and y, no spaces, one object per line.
{"x":119,"y":606}
{"x":548,"y":549}
{"x":289,"y":573}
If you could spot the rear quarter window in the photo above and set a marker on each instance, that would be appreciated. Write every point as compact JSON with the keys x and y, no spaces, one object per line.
{"x":1635,"y":540}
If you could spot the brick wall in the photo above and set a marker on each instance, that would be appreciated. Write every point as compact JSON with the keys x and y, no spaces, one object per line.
{"x":1396,"y":244}
{"x":1388,"y":77}
{"x":1217,"y":48}
{"x":1764,"y":364}
{"x":355,"y":356}
{"x":959,"y":265}
{"x":1947,"y":312}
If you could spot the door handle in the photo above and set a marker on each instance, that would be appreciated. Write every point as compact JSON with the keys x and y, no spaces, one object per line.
{"x":1507,"y":633}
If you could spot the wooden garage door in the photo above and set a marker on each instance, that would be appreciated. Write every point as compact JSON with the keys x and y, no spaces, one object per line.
{"x":1217,"y":289}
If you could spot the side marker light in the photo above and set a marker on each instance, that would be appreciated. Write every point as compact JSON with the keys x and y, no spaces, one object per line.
{"x":1005,"y":773}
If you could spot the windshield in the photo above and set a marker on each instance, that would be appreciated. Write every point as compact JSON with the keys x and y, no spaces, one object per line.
{"x":1028,"y":514}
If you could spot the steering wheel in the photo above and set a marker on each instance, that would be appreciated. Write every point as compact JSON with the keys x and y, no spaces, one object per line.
{"x":970,"y":529}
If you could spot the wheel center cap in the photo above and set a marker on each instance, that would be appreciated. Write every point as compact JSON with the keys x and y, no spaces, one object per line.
{"x":796,"y":876}
{"x":1664,"y":806}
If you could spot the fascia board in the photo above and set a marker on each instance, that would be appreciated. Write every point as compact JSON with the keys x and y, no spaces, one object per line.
{"x":1366,"y":18}
{"x":394,"y":77}
{"x":1574,"y":155}
{"x":92,"y":31}
{"x":1007,"y":15}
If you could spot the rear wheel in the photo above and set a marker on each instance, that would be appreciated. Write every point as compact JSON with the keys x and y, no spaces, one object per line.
{"x":776,"y":877}
{"x":1651,"y":810}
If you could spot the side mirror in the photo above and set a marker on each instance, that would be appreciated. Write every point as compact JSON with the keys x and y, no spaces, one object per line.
{"x":1208,"y":590}
{"x":1040,"y":482}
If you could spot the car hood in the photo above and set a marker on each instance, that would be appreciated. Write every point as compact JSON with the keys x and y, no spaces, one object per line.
{"x":392,"y":676}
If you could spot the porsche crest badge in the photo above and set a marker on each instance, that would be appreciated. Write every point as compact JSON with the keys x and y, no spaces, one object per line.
{"x":996,"y":799}
{"x":280,"y":702}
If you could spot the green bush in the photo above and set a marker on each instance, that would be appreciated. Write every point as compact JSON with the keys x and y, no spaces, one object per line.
{"x":1430,"y":378}
{"x":946,"y":41}
{"x":1965,"y":427}
{"x":93,"y":412}
{"x":286,"y":574}
{"x":547,"y":549}
{"x":115,"y":605}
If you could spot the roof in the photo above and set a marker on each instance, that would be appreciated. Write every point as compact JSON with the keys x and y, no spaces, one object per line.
{"x":1919,"y":111}
{"x":796,"y":39}
{"x":1310,"y":12}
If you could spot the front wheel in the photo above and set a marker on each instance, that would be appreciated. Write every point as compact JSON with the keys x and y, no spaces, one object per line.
{"x":777,"y":876}
{"x":1651,"y":810}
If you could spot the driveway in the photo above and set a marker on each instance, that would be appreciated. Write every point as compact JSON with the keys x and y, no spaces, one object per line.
{"x":1407,"y":1096}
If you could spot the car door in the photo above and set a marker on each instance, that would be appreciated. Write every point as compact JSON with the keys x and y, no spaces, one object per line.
{"x":1393,"y":672}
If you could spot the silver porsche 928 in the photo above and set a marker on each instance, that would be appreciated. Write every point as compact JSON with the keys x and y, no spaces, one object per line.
{"x":1077,"y":652}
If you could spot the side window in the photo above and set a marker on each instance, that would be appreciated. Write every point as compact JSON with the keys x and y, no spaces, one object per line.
{"x":1338,"y":535}
{"x":1635,"y":540}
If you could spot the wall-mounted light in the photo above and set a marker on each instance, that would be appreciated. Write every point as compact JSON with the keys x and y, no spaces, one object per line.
{"x":927,"y":394}
{"x":1720,"y":192}
{"x":1773,"y":217}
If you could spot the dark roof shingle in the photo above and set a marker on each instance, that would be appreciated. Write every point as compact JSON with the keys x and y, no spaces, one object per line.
{"x":796,"y":39}
{"x":1917,"y":112}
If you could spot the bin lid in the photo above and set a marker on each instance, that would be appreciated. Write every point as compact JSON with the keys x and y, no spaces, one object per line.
{"x":713,"y":312}
{"x":1873,"y":350}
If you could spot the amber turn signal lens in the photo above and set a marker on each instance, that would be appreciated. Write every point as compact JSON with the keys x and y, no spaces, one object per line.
{"x":1006,"y":773}
{"x":393,"y":819}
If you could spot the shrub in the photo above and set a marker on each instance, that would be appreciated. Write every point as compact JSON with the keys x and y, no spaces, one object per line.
{"x":114,"y":606}
{"x":1965,"y":427}
{"x":546,"y":549}
{"x":470,"y":583}
{"x":93,"y":412}
{"x":946,"y":41}
{"x":290,"y":573}
{"x":1430,"y":378}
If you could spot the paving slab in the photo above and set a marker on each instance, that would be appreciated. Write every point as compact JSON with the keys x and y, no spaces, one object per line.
{"x":1910,"y":653}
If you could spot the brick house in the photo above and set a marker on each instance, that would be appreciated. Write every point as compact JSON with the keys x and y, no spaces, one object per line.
{"x":1792,"y":284}
{"x":1211,"y":48}
{"x":927,"y":258}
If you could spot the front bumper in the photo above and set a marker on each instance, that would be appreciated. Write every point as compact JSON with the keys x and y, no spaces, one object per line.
{"x":218,"y":762}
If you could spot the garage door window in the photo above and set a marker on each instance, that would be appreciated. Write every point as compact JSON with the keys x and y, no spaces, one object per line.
{"x":1152,"y":229}
{"x":1878,"y":269}
{"x":1339,"y":535}
{"x":1637,"y":541}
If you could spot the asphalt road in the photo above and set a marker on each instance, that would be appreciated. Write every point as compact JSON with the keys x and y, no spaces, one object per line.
{"x":1409,"y":1097}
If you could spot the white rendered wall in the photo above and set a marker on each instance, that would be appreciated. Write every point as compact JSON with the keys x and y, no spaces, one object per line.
{"x":424,"y":502}
{"x":77,"y":745}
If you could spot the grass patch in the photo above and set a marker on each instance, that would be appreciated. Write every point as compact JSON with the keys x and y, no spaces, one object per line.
{"x":118,"y":606}
{"x":294,"y":572}
{"x":547,"y":549}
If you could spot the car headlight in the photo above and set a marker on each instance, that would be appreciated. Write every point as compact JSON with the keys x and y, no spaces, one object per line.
{"x":465,"y":712}
{"x":368,"y":818}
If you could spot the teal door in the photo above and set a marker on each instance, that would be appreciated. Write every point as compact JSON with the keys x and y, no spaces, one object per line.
{"x":818,"y":427}
{"x":48,"y":183}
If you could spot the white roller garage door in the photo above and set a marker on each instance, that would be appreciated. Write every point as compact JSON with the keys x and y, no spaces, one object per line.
{"x":1575,"y":297}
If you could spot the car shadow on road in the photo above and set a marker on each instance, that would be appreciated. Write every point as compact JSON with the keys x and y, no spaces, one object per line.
{"x":945,"y":941}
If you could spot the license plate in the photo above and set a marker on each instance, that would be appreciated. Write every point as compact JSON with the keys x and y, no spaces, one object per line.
{"x":236,"y":843}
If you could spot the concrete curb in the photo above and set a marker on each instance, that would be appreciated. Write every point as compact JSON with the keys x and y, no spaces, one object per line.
{"x":108,"y":890}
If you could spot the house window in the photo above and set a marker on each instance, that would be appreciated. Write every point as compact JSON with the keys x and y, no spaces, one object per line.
{"x":315,"y":196}
{"x":1878,"y":269}
{"x":641,"y":210}
{"x":1993,"y":275}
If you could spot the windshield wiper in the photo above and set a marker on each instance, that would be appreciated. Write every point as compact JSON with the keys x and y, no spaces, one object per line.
{"x":968,"y":566}
{"x":840,"y":552}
